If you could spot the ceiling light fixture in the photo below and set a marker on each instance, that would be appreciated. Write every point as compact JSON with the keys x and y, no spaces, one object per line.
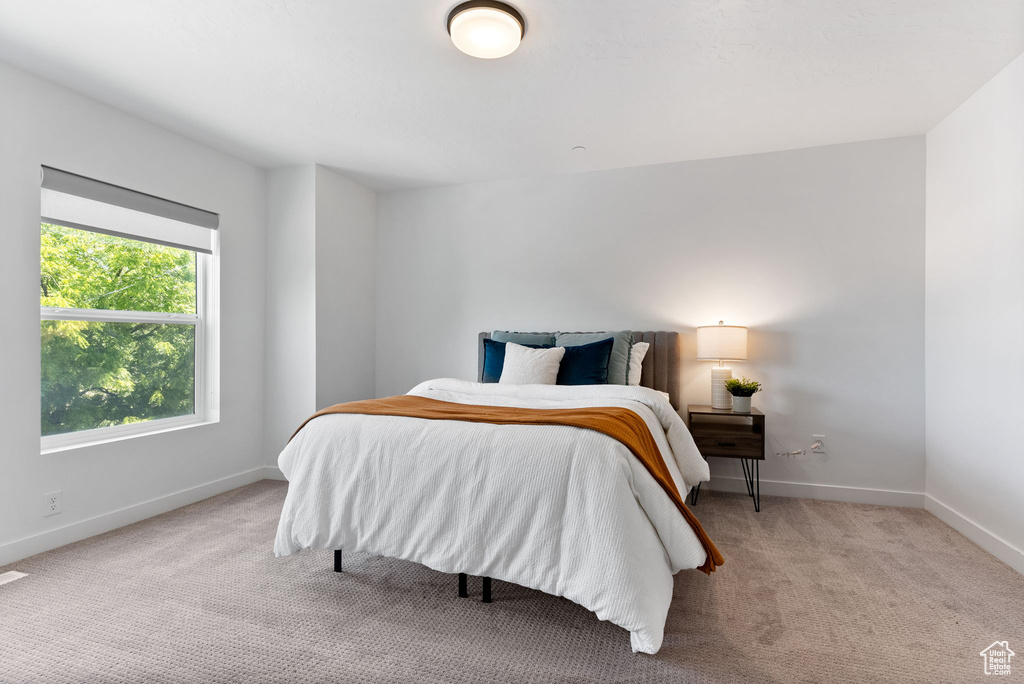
{"x":485,"y":29}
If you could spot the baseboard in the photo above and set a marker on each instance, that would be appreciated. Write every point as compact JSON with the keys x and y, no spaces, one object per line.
{"x":802,"y":490}
{"x":83,"y":529}
{"x":273,"y":473}
{"x":997,"y":546}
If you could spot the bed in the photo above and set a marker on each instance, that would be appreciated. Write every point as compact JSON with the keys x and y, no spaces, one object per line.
{"x":560,"y":509}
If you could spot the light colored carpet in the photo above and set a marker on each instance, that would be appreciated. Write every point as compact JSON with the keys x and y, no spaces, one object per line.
{"x":811,"y":591}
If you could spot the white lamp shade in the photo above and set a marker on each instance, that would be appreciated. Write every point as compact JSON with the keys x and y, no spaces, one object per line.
{"x":487,"y":32}
{"x":722,"y":343}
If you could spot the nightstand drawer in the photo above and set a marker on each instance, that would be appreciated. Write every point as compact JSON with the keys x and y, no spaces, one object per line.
{"x":725,"y":440}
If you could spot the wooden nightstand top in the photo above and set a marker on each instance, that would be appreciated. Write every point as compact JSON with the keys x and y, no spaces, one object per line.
{"x":705,"y":410}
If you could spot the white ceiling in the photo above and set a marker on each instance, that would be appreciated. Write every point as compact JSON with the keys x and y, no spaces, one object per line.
{"x":376,"y":90}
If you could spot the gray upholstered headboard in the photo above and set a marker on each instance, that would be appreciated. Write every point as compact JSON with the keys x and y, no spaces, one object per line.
{"x":661,"y":369}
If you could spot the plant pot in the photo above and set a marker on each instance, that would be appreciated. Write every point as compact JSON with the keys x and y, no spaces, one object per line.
{"x":740,"y":404}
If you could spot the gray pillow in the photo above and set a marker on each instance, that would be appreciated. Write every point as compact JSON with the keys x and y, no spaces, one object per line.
{"x":618,"y":365}
{"x":523,"y":338}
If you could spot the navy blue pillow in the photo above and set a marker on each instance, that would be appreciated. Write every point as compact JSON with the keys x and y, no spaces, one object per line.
{"x":494,"y":358}
{"x":586,"y":364}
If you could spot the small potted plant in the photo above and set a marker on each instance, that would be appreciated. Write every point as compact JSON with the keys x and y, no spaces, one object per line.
{"x":741,"y":391}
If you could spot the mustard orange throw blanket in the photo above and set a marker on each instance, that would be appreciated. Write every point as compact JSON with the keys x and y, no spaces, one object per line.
{"x":618,"y":423}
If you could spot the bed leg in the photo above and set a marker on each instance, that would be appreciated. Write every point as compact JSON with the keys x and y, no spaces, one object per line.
{"x":463,"y":592}
{"x":487,"y":590}
{"x":337,"y":560}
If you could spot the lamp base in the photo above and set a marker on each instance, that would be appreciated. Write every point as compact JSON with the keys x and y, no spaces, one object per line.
{"x":720,"y":397}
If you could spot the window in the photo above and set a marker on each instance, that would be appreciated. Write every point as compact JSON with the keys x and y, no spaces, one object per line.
{"x":125,"y":309}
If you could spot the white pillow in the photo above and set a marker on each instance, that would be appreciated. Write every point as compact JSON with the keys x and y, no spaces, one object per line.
{"x":636,"y":360}
{"x":526,"y":366}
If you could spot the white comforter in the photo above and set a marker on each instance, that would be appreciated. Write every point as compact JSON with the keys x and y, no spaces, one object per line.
{"x":567,"y":511}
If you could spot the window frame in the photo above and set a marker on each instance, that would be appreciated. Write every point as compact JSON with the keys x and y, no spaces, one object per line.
{"x":204,"y":320}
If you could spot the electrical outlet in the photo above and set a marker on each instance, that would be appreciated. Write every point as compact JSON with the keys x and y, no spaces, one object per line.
{"x":52,"y":503}
{"x":821,"y":447}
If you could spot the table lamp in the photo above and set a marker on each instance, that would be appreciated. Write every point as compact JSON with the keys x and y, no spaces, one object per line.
{"x":721,"y":343}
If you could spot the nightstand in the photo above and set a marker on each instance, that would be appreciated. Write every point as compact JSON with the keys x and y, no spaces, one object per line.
{"x":732,"y":438}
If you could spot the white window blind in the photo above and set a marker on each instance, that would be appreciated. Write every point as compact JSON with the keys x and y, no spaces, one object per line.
{"x":78,"y":202}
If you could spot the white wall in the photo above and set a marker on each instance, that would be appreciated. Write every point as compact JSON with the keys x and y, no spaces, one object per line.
{"x":291,"y":303}
{"x":975,"y":317}
{"x":113,"y":484}
{"x":819,"y":251}
{"x":346,"y":215}
{"x":320,"y":296}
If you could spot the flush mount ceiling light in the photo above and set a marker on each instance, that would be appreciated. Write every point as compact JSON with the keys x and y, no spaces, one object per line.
{"x":484,"y":29}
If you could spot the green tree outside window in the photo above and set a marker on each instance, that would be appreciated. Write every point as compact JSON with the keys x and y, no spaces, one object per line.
{"x":104,"y":373}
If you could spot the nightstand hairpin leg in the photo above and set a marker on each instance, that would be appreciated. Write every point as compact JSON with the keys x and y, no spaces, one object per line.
{"x":747,"y":476}
{"x":752,"y":478}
